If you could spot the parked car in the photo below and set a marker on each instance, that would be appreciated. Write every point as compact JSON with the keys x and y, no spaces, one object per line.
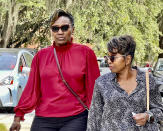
{"x":14,"y":71}
{"x":146,"y":68}
{"x":103,"y":65}
{"x":158,"y":74}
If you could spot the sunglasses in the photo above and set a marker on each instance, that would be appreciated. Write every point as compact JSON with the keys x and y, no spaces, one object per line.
{"x":64,"y":28}
{"x":112,"y":58}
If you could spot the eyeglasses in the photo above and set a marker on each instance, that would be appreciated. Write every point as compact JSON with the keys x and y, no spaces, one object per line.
{"x":112,"y":58}
{"x":64,"y":28}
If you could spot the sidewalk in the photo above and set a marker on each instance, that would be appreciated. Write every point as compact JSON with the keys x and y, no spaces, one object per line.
{"x":7,"y":120}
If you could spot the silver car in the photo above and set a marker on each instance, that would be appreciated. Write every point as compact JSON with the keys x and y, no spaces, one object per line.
{"x":103,"y":65}
{"x":14,"y":71}
{"x":158,"y":74}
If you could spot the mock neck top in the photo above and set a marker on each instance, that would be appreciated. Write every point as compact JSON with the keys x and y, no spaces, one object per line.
{"x":46,"y":93}
{"x":63,"y":47}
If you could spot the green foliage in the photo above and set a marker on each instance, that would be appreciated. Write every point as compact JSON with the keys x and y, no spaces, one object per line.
{"x":99,"y":21}
{"x":32,"y":3}
{"x":96,"y":22}
{"x":2,"y":127}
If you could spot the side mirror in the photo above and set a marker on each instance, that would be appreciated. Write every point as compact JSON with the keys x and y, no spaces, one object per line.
{"x":26,"y":70}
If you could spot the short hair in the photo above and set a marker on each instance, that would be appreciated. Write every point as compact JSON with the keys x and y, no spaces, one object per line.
{"x":124,"y":45}
{"x":58,"y":13}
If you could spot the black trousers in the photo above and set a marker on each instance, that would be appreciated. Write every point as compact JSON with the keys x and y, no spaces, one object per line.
{"x":72,"y":123}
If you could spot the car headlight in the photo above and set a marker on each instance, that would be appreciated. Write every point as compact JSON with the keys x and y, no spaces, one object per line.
{"x":7,"y":80}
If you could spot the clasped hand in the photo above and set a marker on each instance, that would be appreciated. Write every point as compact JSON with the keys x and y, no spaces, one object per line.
{"x":141,"y":118}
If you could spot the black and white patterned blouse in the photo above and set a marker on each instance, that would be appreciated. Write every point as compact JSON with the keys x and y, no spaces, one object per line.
{"x":111,"y":108}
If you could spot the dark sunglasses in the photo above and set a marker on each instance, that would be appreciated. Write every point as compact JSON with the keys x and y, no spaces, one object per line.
{"x":64,"y":28}
{"x":112,"y":58}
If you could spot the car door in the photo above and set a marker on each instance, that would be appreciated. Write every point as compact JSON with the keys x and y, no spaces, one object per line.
{"x":28,"y":60}
{"x":21,"y":78}
{"x":25,"y":61}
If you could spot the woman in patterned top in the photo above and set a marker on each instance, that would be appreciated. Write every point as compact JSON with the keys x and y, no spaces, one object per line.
{"x":119,"y":99}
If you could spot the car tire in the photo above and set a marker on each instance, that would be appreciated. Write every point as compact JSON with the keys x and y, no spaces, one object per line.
{"x":1,"y":104}
{"x":1,"y":107}
{"x":9,"y":109}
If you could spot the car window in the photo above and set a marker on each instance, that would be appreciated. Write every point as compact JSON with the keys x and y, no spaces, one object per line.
{"x":28,"y":59}
{"x":21,"y":63}
{"x":7,"y":60}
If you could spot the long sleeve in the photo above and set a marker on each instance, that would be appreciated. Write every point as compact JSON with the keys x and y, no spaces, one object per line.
{"x":156,"y":106}
{"x":96,"y":111}
{"x":46,"y":93}
{"x":31,"y":93}
{"x":92,"y":72}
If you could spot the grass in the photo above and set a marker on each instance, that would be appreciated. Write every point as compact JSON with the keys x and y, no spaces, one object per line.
{"x":2,"y":127}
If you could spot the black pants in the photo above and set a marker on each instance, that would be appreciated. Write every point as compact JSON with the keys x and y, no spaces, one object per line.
{"x":72,"y":123}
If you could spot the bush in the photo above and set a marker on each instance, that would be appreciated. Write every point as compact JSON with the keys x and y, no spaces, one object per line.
{"x":2,"y":127}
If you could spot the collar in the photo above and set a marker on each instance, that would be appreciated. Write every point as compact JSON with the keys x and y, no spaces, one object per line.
{"x":63,"y":47}
{"x":139,"y":77}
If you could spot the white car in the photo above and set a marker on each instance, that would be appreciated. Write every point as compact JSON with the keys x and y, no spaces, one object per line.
{"x":14,"y":71}
{"x":158,"y":74}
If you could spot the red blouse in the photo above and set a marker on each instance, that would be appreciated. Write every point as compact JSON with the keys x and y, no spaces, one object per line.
{"x":46,"y":93}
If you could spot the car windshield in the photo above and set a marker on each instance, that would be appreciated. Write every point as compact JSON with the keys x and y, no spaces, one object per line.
{"x":159,"y":66}
{"x":7,"y":60}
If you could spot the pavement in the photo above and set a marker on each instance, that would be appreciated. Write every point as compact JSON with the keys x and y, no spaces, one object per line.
{"x":7,"y":120}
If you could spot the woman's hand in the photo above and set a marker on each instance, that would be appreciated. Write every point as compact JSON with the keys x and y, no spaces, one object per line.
{"x":141,"y":119}
{"x":16,"y":124}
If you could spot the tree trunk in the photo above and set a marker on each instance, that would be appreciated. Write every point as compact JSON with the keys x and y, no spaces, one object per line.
{"x":52,"y":5}
{"x":160,"y":22}
{"x":10,"y":23}
{"x":161,"y":46}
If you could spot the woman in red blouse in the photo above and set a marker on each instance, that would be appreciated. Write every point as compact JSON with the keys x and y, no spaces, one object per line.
{"x":55,"y":106}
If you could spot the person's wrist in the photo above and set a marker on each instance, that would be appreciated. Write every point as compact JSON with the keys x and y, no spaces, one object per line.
{"x":147,"y":116}
{"x":150,"y":116}
{"x":17,"y":119}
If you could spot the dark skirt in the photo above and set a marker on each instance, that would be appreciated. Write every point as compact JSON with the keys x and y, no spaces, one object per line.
{"x":72,"y":123}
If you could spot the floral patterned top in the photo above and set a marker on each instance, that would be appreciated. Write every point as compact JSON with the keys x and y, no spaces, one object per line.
{"x":111,"y":107}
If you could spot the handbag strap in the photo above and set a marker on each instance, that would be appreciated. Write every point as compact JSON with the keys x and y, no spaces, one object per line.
{"x":66,"y":84}
{"x":147,"y":88}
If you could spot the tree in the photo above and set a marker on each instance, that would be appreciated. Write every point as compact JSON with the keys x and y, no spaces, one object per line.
{"x":160,"y":22}
{"x":96,"y":22}
{"x":22,"y":17}
{"x":10,"y":18}
{"x":99,"y":21}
